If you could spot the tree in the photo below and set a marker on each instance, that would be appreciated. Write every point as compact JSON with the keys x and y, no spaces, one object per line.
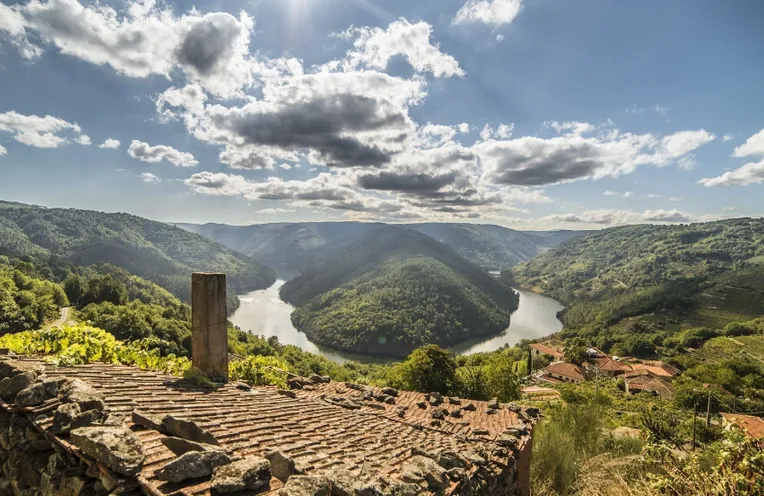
{"x":74,"y":287}
{"x":501,"y":377}
{"x":428,"y":368}
{"x":575,"y":350}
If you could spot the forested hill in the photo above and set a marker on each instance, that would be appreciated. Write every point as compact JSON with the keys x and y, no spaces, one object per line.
{"x":289,"y":247}
{"x":158,"y":252}
{"x":709,"y":273}
{"x":394,"y":289}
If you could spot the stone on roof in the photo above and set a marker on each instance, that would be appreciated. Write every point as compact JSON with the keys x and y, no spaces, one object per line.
{"x":382,"y":447}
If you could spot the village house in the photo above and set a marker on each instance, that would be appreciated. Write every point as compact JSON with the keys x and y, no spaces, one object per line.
{"x":752,"y":426}
{"x":607,"y":367}
{"x":558,"y":372}
{"x":539,"y":350}
{"x":656,"y":385}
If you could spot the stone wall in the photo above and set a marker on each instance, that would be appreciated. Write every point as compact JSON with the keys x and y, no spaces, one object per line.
{"x":31,"y":465}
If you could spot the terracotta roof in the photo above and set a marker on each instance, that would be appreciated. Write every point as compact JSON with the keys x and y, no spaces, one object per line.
{"x":653,"y":384}
{"x":317,"y":433}
{"x":609,"y":365}
{"x":547,"y":350}
{"x":641,"y":368}
{"x":538,"y":392}
{"x":567,"y":370}
{"x":753,"y":426}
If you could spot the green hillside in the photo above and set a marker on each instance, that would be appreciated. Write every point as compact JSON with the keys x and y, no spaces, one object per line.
{"x":706,"y":274}
{"x":395,"y":289}
{"x":290,"y":247}
{"x":155,"y":251}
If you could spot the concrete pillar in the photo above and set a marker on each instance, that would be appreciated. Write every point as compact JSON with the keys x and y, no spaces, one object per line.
{"x":209,"y":325}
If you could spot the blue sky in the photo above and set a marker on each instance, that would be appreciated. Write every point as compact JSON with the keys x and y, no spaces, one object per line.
{"x":529,"y":114}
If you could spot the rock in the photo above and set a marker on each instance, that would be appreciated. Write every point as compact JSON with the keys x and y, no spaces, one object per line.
{"x":282,"y":466}
{"x":192,"y":465}
{"x":491,"y":411}
{"x":12,"y":368}
{"x":427,"y":397}
{"x":37,"y":394}
{"x":493,"y":404}
{"x":454,"y":400}
{"x":306,"y":485}
{"x":513,"y":407}
{"x":390,"y":391}
{"x":180,"y":446}
{"x":90,"y":417}
{"x":385,"y":486}
{"x":480,"y":432}
{"x":319,"y":379}
{"x":63,"y":418}
{"x":347,"y":402}
{"x":516,"y":430}
{"x":470,"y":407}
{"x":382,"y":398}
{"x":508,"y":441}
{"x":390,"y":400}
{"x":456,"y":474}
{"x":435,"y":422}
{"x":242,"y":386}
{"x":376,"y":406}
{"x":456,"y":413}
{"x":147,"y":420}
{"x":17,"y":384}
{"x":357,"y":387}
{"x":77,"y":391}
{"x":401,"y":411}
{"x":293,"y":384}
{"x":251,"y":474}
{"x":532,"y":411}
{"x":422,"y":469}
{"x":439,"y":413}
{"x":286,"y":392}
{"x":367,"y":395}
{"x":436,"y":399}
{"x":117,"y":448}
{"x":187,"y":429}
{"x":342,"y":482}
{"x":421,"y":404}
{"x":449,"y":460}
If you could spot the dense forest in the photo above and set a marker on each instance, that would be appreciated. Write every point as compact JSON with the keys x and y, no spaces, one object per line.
{"x":708,"y":273}
{"x":58,"y":239}
{"x":393,"y":290}
{"x":291,"y":247}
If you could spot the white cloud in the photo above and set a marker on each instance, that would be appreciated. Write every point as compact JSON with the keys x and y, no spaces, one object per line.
{"x":537,"y":161}
{"x":658,"y":109}
{"x":729,"y":209}
{"x":110,"y":143}
{"x":750,"y":173}
{"x":620,"y":217}
{"x":752,"y":146}
{"x":653,"y":196}
{"x":142,"y":40}
{"x":40,"y":132}
{"x":610,"y":193}
{"x":3,"y":151}
{"x":572,"y":128}
{"x":504,"y":131}
{"x":144,"y":152}
{"x":148,"y":177}
{"x":83,"y":140}
{"x":491,"y":12}
{"x":464,"y":128}
{"x":727,"y":137}
{"x":675,"y":198}
{"x":627,"y":194}
{"x":375,"y":47}
{"x":275,"y":211}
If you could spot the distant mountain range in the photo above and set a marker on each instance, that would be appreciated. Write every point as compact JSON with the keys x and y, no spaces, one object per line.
{"x":393,"y":289}
{"x":290,"y":248}
{"x":158,"y":252}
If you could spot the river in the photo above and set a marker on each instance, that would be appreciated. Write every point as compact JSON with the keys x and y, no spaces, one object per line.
{"x":263,"y":312}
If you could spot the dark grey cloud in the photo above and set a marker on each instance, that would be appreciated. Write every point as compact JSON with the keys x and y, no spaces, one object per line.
{"x":407,"y":182}
{"x":209,"y":43}
{"x":516,"y":167}
{"x":323,"y":124}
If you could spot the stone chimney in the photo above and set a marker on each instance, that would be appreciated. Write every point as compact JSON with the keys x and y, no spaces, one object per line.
{"x":209,"y":325}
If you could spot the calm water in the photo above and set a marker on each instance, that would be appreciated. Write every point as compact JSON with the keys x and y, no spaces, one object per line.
{"x":262,"y":312}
